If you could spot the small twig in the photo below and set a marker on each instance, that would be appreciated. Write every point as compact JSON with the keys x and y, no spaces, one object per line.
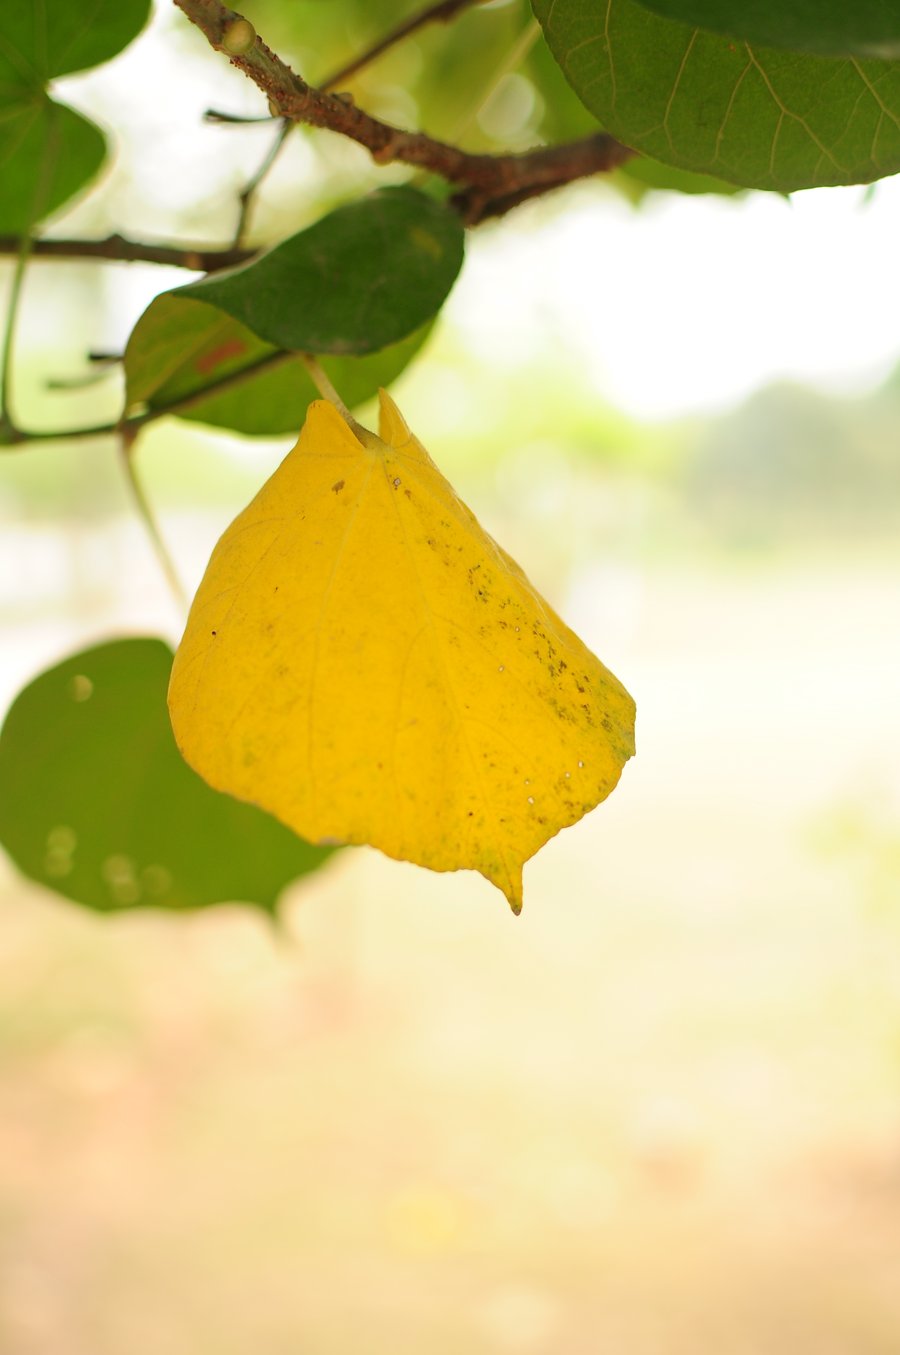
{"x":145,"y":513}
{"x":99,"y":371}
{"x":250,"y":188}
{"x":21,"y":437}
{"x":490,"y":184}
{"x":442,"y":12}
{"x":131,"y":424}
{"x":117,"y":248}
{"x":237,"y":119}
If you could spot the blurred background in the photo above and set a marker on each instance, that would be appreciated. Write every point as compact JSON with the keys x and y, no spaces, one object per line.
{"x":658,"y":1113}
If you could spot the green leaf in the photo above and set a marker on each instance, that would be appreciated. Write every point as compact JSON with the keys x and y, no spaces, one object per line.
{"x":757,"y":117}
{"x":363,"y":277}
{"x":566,"y":118}
{"x":97,"y":804}
{"x":185,"y":350}
{"x":42,"y":39}
{"x":47,"y":153}
{"x":867,"y":28}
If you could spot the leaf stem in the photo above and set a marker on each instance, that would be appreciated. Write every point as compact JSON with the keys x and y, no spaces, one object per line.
{"x":8,"y":428}
{"x":145,"y":513}
{"x":248,"y":192}
{"x":322,"y":383}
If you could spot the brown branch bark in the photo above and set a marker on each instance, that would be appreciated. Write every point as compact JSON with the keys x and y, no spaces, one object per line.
{"x":116,"y":247}
{"x":489,"y":185}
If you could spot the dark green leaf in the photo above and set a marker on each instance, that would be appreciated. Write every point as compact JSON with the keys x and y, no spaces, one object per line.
{"x":363,"y":277}
{"x":42,"y":39}
{"x":566,"y":118}
{"x":47,"y":153}
{"x":184,"y":350}
{"x":867,"y":28}
{"x":97,"y":803}
{"x":758,"y":117}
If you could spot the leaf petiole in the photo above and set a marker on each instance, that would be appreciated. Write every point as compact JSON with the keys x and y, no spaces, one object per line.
{"x":322,"y":383}
{"x":145,"y":513}
{"x":8,"y":428}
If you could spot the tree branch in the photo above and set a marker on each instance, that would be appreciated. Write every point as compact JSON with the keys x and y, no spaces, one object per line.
{"x":116,"y":247}
{"x":532,"y":173}
{"x":489,"y":184}
{"x":251,"y":187}
{"x":443,"y":11}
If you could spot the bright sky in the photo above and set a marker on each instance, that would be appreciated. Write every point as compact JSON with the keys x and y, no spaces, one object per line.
{"x":692,"y":303}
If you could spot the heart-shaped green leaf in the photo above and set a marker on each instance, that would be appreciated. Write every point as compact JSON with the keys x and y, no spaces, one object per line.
{"x":42,"y":39}
{"x":97,"y":804}
{"x":363,"y":277}
{"x":47,"y":153}
{"x":755,"y":116}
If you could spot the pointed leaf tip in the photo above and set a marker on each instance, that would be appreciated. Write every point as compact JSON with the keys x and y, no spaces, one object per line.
{"x":392,"y":427}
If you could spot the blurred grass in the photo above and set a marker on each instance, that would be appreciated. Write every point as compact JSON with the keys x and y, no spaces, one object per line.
{"x":658,"y":1113}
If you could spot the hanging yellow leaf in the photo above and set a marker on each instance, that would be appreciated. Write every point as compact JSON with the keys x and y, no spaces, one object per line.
{"x":366,"y":663}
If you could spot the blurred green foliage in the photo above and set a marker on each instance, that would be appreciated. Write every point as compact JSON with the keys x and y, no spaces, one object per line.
{"x":97,"y":803}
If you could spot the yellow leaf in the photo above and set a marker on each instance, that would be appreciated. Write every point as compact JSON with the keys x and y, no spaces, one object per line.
{"x":366,"y":663}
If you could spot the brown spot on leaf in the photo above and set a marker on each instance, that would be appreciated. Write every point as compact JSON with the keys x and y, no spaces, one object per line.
{"x":208,"y":362}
